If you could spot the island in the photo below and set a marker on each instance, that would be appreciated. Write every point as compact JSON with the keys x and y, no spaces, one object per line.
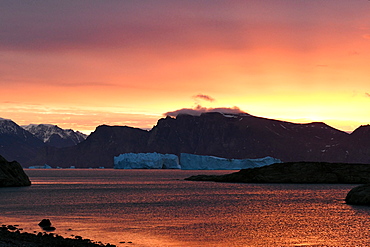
{"x":296,"y":172}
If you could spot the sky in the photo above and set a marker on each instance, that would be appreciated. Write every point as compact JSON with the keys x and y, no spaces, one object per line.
{"x":79,"y":64}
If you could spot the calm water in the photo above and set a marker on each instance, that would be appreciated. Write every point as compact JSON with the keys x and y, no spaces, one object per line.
{"x":159,"y":208}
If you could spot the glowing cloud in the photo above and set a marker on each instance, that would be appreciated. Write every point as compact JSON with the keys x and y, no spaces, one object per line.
{"x":198,"y":110}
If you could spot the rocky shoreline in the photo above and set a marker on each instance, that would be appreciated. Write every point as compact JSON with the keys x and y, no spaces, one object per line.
{"x":11,"y":236}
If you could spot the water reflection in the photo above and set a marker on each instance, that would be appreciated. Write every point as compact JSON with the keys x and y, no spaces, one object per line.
{"x":158,"y":208}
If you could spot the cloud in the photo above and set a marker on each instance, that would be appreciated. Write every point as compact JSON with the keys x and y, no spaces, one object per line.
{"x":198,"y":110}
{"x":366,"y":36}
{"x":367,"y":94}
{"x":117,"y":24}
{"x":87,"y":84}
{"x":204,"y":97}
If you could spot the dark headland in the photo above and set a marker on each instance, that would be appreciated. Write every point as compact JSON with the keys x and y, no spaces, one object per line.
{"x":296,"y":172}
{"x":12,"y":174}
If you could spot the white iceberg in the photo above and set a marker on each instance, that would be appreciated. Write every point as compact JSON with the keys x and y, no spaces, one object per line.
{"x":146,"y":161}
{"x":203,"y":162}
{"x":40,"y":167}
{"x":187,"y":162}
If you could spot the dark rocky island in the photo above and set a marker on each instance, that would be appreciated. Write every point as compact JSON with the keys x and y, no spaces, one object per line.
{"x":12,"y":174}
{"x":359,"y":195}
{"x":296,"y":172}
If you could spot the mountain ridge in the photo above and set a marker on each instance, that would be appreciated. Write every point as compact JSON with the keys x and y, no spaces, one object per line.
{"x":223,"y":135}
{"x":53,"y":135}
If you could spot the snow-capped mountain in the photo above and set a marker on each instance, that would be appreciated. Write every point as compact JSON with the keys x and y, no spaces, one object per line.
{"x":8,"y":127}
{"x":53,"y":135}
{"x":17,"y":143}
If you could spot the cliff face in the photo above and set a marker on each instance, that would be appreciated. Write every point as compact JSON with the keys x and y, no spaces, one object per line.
{"x":297,"y":172}
{"x":244,"y":136}
{"x":12,"y":174}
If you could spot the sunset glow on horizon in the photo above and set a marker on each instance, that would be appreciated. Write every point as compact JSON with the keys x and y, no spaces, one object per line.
{"x":80,"y":64}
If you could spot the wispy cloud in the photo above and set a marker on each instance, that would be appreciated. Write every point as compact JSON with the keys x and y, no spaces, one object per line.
{"x":367,"y":94}
{"x":366,"y":36}
{"x":204,"y":97}
{"x":84,"y":84}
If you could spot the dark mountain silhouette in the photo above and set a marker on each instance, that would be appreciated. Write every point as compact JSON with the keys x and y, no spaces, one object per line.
{"x":98,"y":149}
{"x":223,"y":135}
{"x":16,"y":143}
{"x":243,"y":136}
{"x":355,"y":149}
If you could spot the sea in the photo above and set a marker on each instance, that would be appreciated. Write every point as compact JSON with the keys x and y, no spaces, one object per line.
{"x":149,"y":208}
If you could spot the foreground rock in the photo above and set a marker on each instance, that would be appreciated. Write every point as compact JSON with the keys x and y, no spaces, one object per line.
{"x":10,"y":237}
{"x":45,"y":224}
{"x":296,"y":172}
{"x":359,"y":195}
{"x":12,"y":174}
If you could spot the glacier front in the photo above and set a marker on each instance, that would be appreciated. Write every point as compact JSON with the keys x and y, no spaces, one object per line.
{"x":186,"y":162}
{"x":146,"y":161}
{"x":203,"y":162}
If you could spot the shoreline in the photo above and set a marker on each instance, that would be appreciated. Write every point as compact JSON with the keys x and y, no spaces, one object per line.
{"x":11,"y":236}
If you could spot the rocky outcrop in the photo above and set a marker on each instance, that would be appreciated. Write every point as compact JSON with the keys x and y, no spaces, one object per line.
{"x":12,"y":174}
{"x":296,"y":172}
{"x":359,"y":195}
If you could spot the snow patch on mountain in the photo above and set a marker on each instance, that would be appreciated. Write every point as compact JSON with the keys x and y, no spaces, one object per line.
{"x":7,"y":126}
{"x":54,"y":135}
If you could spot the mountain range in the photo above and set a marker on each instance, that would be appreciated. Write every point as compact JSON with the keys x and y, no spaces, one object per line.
{"x":24,"y":143}
{"x":217,"y":134}
{"x":55,"y":136}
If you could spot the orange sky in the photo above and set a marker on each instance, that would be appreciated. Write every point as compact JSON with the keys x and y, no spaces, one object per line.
{"x":79,"y":64}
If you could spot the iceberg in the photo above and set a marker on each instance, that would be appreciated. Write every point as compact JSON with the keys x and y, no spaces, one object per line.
{"x":146,"y":161}
{"x":40,"y":167}
{"x":187,"y":162}
{"x":203,"y":162}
